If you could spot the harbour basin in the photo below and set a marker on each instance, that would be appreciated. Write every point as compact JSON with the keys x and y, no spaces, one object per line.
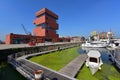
{"x":108,"y":70}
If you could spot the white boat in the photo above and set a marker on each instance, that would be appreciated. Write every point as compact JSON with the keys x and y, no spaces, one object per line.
{"x":94,"y":61}
{"x":95,"y":44}
{"x":86,"y":44}
{"x":115,"y":44}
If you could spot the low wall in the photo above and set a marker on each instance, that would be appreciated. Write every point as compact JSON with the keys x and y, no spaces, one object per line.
{"x":29,"y":50}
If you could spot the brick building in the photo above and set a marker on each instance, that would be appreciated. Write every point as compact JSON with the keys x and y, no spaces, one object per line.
{"x":46,"y":25}
{"x":21,"y":39}
{"x":45,"y":30}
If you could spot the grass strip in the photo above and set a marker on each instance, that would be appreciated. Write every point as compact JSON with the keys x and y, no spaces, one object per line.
{"x":57,"y":60}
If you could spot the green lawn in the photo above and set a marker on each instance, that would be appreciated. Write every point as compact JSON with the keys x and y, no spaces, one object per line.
{"x":107,"y":72}
{"x":57,"y":60}
{"x":7,"y":72}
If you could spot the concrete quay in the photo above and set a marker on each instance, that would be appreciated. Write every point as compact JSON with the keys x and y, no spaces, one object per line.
{"x":5,"y":46}
{"x":25,"y":49}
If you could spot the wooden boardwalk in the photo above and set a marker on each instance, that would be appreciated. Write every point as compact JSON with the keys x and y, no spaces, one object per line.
{"x":26,"y":67}
{"x":74,"y":66}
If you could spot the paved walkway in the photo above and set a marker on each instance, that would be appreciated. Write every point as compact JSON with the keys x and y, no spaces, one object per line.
{"x":74,"y":66}
{"x":6,"y":46}
{"x":49,"y":74}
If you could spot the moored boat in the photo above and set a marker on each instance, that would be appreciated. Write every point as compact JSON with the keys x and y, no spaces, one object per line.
{"x":95,"y":44}
{"x":114,"y":44}
{"x":94,"y":61}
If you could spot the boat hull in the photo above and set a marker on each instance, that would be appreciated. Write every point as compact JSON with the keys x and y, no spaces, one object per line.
{"x":94,"y":67}
{"x":94,"y":61}
{"x":93,"y":70}
{"x":97,"y":45}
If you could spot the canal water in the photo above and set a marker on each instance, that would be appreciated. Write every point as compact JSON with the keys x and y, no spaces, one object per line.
{"x":108,"y":71}
{"x":104,"y":53}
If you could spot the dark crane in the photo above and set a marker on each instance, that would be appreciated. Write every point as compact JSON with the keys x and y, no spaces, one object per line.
{"x":28,"y":33}
{"x":32,"y":41}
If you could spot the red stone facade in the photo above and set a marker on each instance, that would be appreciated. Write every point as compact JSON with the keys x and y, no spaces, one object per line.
{"x":20,"y":39}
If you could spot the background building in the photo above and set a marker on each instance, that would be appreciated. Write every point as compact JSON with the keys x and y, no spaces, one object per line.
{"x":77,"y":39}
{"x":101,"y":35}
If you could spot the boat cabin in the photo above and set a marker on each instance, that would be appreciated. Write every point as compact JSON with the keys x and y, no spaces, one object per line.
{"x":94,"y":56}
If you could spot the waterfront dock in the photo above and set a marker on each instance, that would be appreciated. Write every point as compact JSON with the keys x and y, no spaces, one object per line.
{"x":74,"y":66}
{"x":49,"y":74}
{"x":26,"y":67}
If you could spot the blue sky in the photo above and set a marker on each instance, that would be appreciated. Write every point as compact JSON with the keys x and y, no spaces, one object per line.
{"x":76,"y":17}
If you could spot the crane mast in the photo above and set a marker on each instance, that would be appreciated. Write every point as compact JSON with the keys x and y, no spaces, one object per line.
{"x":28,"y":33}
